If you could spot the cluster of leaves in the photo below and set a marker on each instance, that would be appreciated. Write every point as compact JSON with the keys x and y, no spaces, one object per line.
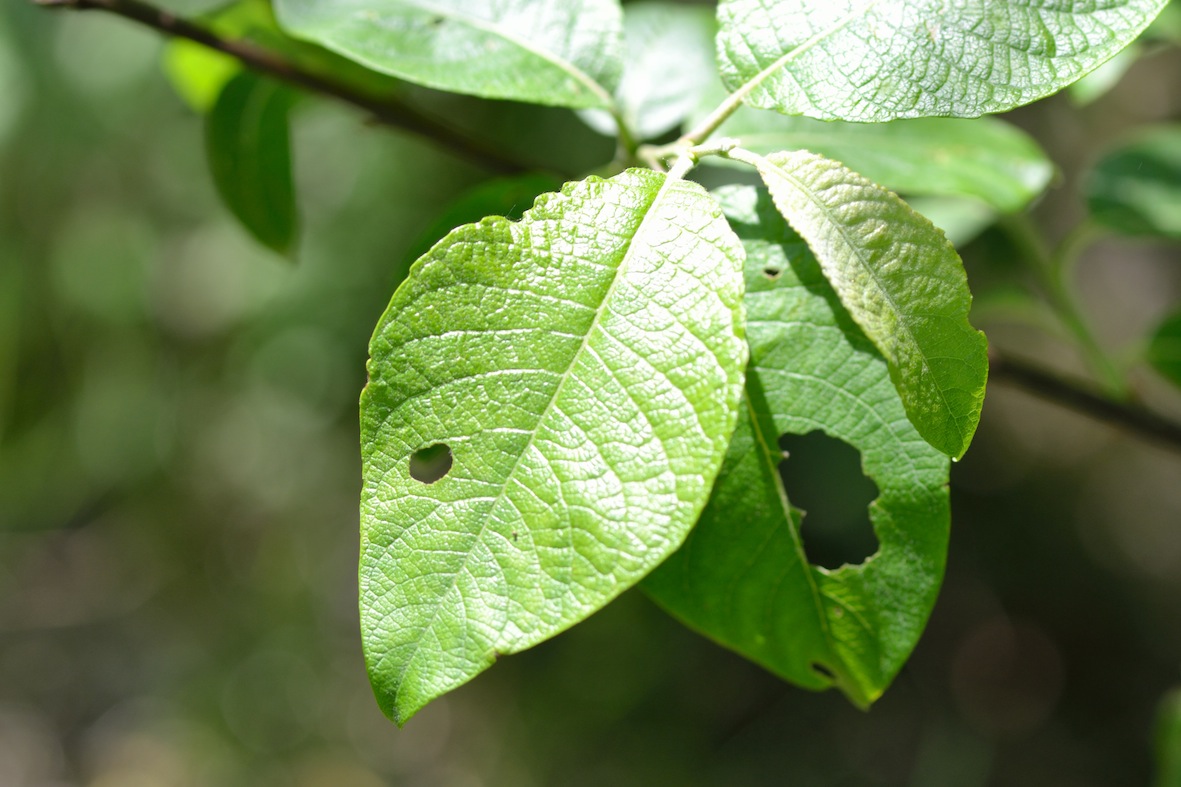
{"x":566,"y":405}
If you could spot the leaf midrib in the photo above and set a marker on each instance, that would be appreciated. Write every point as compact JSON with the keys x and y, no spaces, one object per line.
{"x":772,"y":466}
{"x":582,"y":348}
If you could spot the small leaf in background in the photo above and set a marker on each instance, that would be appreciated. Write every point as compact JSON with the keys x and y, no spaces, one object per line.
{"x":562,"y":54}
{"x":1136,"y":189}
{"x":877,"y":60}
{"x":902,"y":282}
{"x":583,"y":366}
{"x":247,"y":138}
{"x":668,"y":66}
{"x":198,"y":73}
{"x":1164,"y":349}
{"x":1168,"y":741}
{"x":509,"y":197}
{"x":984,"y":158}
{"x":742,"y":577}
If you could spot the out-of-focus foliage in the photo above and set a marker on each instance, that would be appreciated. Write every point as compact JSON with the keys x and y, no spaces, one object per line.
{"x":178,"y":482}
{"x":1136,"y":188}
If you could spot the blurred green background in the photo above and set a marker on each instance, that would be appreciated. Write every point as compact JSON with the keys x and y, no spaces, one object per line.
{"x":179,"y":476}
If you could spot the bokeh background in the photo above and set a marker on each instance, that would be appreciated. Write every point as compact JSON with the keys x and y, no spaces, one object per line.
{"x":179,"y":476}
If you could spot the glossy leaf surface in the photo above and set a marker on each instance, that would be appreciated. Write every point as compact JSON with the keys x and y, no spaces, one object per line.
{"x":983,"y":158}
{"x":247,"y":138}
{"x":1136,"y":189}
{"x":742,"y":577}
{"x":584,"y":367}
{"x":563,"y":54}
{"x":877,"y":60}
{"x":902,"y":282}
{"x":668,"y":65}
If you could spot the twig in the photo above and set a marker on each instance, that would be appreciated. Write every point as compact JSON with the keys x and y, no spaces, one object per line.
{"x":1082,"y":399}
{"x":385,"y":110}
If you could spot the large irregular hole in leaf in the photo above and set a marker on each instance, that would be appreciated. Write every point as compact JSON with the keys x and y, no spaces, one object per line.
{"x":430,"y":464}
{"x":822,"y":476}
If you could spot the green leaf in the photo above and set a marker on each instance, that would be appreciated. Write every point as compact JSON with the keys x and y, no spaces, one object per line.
{"x":668,"y":66}
{"x":902,"y":282}
{"x":564,"y":54}
{"x":1136,"y":189}
{"x":1164,"y":349}
{"x":877,"y":60}
{"x":742,"y":578}
{"x":983,"y":158}
{"x":247,"y":139}
{"x":584,"y":367}
{"x":198,"y":73}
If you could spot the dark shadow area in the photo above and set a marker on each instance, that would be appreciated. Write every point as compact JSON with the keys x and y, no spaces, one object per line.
{"x":822,"y":476}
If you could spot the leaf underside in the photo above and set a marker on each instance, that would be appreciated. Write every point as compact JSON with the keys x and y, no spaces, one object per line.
{"x":902,"y":282}
{"x":742,"y":577}
{"x":584,"y":366}
{"x":564,"y":54}
{"x":877,"y":60}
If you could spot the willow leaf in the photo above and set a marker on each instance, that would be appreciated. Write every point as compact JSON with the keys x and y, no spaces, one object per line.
{"x":563,"y":54}
{"x":583,"y":366}
{"x":877,"y":60}
{"x":902,"y":282}
{"x":742,"y":577}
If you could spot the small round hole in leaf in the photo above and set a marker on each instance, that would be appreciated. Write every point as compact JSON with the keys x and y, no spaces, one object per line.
{"x":823,"y":477}
{"x":430,"y":464}
{"x":771,"y":272}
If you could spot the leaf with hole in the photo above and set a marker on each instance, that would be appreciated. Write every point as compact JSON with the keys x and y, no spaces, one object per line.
{"x":668,"y":66}
{"x":877,"y":60}
{"x":583,"y":367}
{"x":1136,"y":188}
{"x":742,"y":578}
{"x":247,"y":138}
{"x":902,"y":282}
{"x":563,"y":54}
{"x":984,"y":158}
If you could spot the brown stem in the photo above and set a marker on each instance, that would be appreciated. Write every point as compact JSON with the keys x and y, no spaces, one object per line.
{"x":1079,"y":397}
{"x":385,"y":110}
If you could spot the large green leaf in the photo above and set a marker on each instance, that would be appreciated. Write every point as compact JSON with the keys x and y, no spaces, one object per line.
{"x":247,"y":138}
{"x":901,"y":280}
{"x":742,"y":577}
{"x":1136,"y":189}
{"x":983,"y":158}
{"x":668,"y":66}
{"x":876,"y":60}
{"x":564,"y":54}
{"x":584,"y":367}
